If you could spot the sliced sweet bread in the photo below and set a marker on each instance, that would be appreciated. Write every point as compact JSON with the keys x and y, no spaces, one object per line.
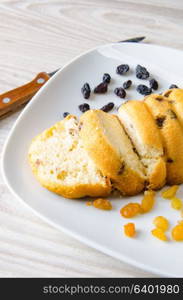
{"x":172,"y":135}
{"x":61,"y":164}
{"x":175,"y":96}
{"x":112,"y":151}
{"x":141,"y":128}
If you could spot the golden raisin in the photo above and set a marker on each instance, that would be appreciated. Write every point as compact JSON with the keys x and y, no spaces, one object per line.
{"x":170,"y":192}
{"x":161,"y":223}
{"x":102,"y":204}
{"x":130,"y":210}
{"x":159,"y":233}
{"x":176,"y":203}
{"x":129,"y":229}
{"x":89,"y":203}
{"x":177,"y":232}
{"x":148,"y":201}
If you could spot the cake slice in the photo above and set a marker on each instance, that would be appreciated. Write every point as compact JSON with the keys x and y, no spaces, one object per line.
{"x":172,"y":135}
{"x":112,"y":151}
{"x":61,"y":164}
{"x":141,"y":128}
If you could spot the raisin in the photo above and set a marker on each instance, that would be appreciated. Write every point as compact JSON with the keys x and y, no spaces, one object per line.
{"x":141,"y":72}
{"x":148,"y":201}
{"x":108,"y":107}
{"x":173,"y":86}
{"x":160,"y":121}
{"x":106,"y":78}
{"x":170,"y":192}
{"x":176,"y":203}
{"x":129,"y":229}
{"x":177,"y":232}
{"x":102,"y":204}
{"x":159,"y":233}
{"x":130,"y":210}
{"x":120,"y":92}
{"x":172,"y":114}
{"x":65,"y":114}
{"x":161,"y":223}
{"x":86,"y":90}
{"x":101,"y":88}
{"x":153,"y":84}
{"x":159,"y":98}
{"x":169,"y":160}
{"x":84,"y":107}
{"x":135,"y":150}
{"x":121,"y":170}
{"x":127,"y":84}
{"x":121,"y":69}
{"x":143,"y":89}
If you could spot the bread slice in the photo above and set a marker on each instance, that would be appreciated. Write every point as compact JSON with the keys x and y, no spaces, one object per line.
{"x":172,"y":135}
{"x":61,"y":164}
{"x":175,"y":96}
{"x":141,"y":128}
{"x":111,"y":150}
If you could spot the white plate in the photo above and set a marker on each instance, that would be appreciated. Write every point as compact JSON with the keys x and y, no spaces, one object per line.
{"x":100,"y":229}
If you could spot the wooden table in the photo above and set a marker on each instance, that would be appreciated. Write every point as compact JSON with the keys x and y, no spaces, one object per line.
{"x":42,"y":35}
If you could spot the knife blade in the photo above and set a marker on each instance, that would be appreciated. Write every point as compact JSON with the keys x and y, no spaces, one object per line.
{"x":14,"y":99}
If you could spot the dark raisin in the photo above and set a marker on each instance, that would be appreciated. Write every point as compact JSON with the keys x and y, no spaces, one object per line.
{"x":121,"y":170}
{"x":84,"y":107}
{"x":108,"y":107}
{"x":141,"y":72}
{"x":143,"y":89}
{"x":153,"y":84}
{"x":101,"y":88}
{"x":135,"y":150}
{"x":173,"y":86}
{"x":120,"y":92}
{"x":160,"y":121}
{"x":80,"y":125}
{"x":172,"y":114}
{"x":65,"y":114}
{"x":106,"y":78}
{"x":146,"y":184}
{"x":169,"y":160}
{"x":159,"y":98}
{"x":127,"y":84}
{"x":86,"y":90}
{"x":122,"y":69}
{"x":167,"y":93}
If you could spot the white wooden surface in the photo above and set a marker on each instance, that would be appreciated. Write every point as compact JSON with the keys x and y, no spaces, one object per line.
{"x":41,"y":35}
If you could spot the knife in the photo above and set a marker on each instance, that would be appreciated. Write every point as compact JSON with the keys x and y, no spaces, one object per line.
{"x":12,"y":100}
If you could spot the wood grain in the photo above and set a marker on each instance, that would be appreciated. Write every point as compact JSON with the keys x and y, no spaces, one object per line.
{"x":42,"y":35}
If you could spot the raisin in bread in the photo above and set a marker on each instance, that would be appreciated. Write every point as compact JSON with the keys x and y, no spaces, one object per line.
{"x":111,"y":150}
{"x":172,"y":135}
{"x":61,"y":164}
{"x":141,"y":128}
{"x":175,"y":97}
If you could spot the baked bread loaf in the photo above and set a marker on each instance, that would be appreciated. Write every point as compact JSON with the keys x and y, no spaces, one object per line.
{"x":175,"y":96}
{"x":141,"y":128}
{"x":61,"y":164}
{"x":112,"y":151}
{"x":172,"y":135}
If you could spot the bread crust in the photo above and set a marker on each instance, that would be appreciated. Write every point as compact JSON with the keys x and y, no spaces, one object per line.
{"x":175,"y":97}
{"x":77,"y":190}
{"x":172,"y":136}
{"x":149,"y":145}
{"x":105,"y":156}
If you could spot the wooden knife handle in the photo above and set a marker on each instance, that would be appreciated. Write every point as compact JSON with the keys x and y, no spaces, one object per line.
{"x":10,"y":101}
